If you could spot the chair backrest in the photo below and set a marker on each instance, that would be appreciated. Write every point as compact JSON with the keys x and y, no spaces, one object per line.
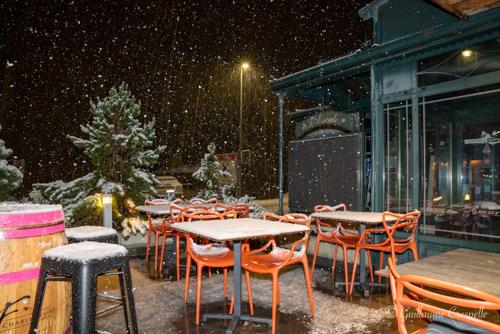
{"x":209,"y":215}
{"x":328,"y":208}
{"x":408,"y":290}
{"x":242,"y":209}
{"x":293,"y":218}
{"x":184,"y":212}
{"x":197,"y":200}
{"x":404,"y":222}
{"x":157,"y":201}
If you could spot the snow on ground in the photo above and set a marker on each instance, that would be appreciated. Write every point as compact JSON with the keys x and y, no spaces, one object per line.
{"x":160,"y":307}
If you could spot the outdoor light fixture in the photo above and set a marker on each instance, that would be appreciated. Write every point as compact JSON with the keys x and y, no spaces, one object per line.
{"x":107,"y":203}
{"x":245,"y":65}
{"x":467,"y":197}
{"x":466,"y":53}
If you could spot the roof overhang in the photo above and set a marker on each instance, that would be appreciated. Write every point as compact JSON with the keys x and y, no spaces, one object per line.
{"x":482,"y":27}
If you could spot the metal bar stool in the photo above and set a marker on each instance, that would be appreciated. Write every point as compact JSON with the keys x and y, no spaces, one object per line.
{"x":83,"y":262}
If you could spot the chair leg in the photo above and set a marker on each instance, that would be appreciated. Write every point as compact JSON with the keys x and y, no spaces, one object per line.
{"x":37,"y":307}
{"x":355,"y":265}
{"x":157,"y":239}
{"x":346,"y":270}
{"x":381,"y":264}
{"x":231,"y":306}
{"x":334,"y":259}
{"x":121,"y":279}
{"x":370,"y":266}
{"x":225,"y":283}
{"x":309,"y":286}
{"x":178,"y":256}
{"x":198,"y":292}
{"x":130,"y":297}
{"x":148,"y":244}
{"x":186,"y":285}
{"x":162,"y":256}
{"x":316,"y":248}
{"x":275,"y":300}
{"x":249,"y":291}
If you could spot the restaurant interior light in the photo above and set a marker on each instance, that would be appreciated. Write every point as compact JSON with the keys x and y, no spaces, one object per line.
{"x":467,"y":197}
{"x":466,"y":53}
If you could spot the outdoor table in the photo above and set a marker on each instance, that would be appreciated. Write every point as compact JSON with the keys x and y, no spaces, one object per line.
{"x":236,"y":231}
{"x":471,"y":268}
{"x":362,"y":219}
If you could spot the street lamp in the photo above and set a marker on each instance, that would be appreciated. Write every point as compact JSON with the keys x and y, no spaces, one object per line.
{"x":244,"y":66}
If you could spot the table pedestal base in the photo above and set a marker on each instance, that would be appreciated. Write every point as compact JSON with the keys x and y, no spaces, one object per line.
{"x":235,"y":319}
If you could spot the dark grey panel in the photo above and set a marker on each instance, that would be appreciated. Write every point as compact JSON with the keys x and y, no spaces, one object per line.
{"x":324,"y":171}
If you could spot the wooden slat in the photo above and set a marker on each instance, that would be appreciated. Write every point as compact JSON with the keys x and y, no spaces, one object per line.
{"x":475,"y":269}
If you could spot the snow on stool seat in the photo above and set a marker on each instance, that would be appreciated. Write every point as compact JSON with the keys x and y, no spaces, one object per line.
{"x":91,"y":233}
{"x":86,"y":251}
{"x":84,"y":262}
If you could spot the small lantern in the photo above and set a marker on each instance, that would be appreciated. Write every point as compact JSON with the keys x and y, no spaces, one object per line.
{"x":107,"y":203}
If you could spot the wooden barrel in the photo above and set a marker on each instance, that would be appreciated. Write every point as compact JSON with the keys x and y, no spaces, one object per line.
{"x":26,"y":232}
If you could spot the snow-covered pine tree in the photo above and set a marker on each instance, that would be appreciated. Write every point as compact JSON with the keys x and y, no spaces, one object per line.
{"x":118,"y":146}
{"x":10,"y":176}
{"x":210,"y":174}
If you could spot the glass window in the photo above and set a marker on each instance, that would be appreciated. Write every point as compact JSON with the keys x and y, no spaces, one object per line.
{"x":461,"y":165}
{"x":397,"y":147}
{"x":459,"y":64}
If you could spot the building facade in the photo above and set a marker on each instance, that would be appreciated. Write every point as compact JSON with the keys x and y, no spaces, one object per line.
{"x":426,"y":95}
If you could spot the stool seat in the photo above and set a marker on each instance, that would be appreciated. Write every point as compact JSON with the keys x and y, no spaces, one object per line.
{"x":86,"y":251}
{"x":83,"y":262}
{"x":91,"y":233}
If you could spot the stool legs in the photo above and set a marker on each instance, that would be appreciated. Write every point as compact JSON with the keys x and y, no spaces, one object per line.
{"x":37,"y":306}
{"x":130,"y":297}
{"x":83,"y":293}
{"x":125,"y":305}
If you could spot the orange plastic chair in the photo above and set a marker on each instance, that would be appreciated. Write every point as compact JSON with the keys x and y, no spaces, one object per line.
{"x":160,"y":228}
{"x":408,"y":290}
{"x":261,"y":262}
{"x":178,"y":214}
{"x":208,"y":255}
{"x":242,"y":210}
{"x":347,"y":239}
{"x":391,"y":245}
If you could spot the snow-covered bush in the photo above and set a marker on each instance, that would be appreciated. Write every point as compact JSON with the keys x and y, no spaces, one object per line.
{"x":10,"y":176}
{"x":118,"y":146}
{"x":134,"y":225}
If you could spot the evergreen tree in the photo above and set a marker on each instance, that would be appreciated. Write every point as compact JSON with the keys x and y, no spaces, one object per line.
{"x":211,"y":174}
{"x":10,"y":176}
{"x":118,"y":148}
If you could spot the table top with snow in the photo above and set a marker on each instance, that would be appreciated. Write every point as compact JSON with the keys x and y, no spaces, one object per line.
{"x":238,"y":229}
{"x":9,"y":208}
{"x":353,"y":216}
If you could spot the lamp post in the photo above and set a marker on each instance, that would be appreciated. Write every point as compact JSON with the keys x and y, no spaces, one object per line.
{"x":244,"y":66}
{"x":107,"y":203}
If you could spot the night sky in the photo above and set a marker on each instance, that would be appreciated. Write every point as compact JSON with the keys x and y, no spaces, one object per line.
{"x":179,"y":58}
